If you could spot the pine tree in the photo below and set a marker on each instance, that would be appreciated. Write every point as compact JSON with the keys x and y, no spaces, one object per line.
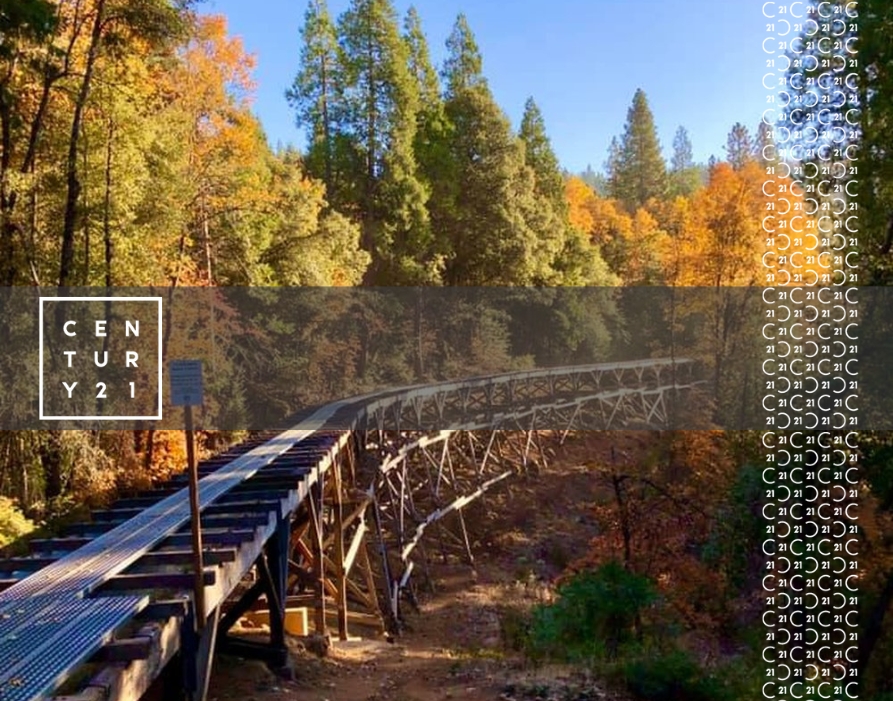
{"x":765,"y":150}
{"x":684,"y":177}
{"x":637,"y":169}
{"x":612,"y":163}
{"x":431,"y":146}
{"x":739,"y":146}
{"x":420,"y":66}
{"x":463,"y":68}
{"x":682,"y":151}
{"x":314,"y":93}
{"x":380,"y":117}
{"x":491,"y":219}
{"x":540,"y":156}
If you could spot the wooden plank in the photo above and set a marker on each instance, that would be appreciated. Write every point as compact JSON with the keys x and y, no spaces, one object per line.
{"x":245,"y":506}
{"x":236,"y":520}
{"x":25,"y":564}
{"x":212,"y":538}
{"x":157,"y":580}
{"x":166,"y":608}
{"x":128,"y":682}
{"x":146,"y":500}
{"x":48,"y":545}
{"x":126,"y":650}
{"x":184,"y":557}
{"x":91,"y":530}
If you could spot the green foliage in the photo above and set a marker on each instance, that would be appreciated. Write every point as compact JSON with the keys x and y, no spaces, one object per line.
{"x":874,"y":136}
{"x":490,"y":240}
{"x":381,"y":106}
{"x":594,"y":615}
{"x":463,"y":68}
{"x":419,"y":61}
{"x":540,"y":156}
{"x":313,"y":94}
{"x":739,"y":528}
{"x":27,"y":19}
{"x":636,"y":169}
{"x":740,"y":146}
{"x":684,"y":177}
{"x":673,"y":676}
{"x":13,"y":523}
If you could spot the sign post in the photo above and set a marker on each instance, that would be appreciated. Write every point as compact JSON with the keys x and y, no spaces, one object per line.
{"x":187,"y":391}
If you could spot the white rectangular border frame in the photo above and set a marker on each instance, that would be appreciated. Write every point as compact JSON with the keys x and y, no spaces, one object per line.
{"x":157,"y":300}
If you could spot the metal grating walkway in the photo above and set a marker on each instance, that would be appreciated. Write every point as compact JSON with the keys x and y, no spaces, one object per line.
{"x":48,"y":626}
{"x":44,"y":639}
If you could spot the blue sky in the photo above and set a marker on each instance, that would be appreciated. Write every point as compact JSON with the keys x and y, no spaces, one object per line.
{"x":699,"y":61}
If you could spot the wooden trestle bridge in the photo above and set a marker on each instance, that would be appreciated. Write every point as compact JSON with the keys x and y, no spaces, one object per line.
{"x":106,"y":609}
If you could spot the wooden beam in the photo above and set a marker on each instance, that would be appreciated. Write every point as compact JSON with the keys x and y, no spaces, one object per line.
{"x":243,"y":506}
{"x":163,"y":558}
{"x":25,"y":564}
{"x":127,"y":682}
{"x":126,"y":650}
{"x":158,"y":580}
{"x":210,"y":537}
{"x":48,"y":545}
{"x":166,"y":608}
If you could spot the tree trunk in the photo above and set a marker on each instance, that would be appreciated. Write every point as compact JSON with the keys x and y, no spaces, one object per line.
{"x":72,"y":181}
{"x":875,"y":626}
{"x":107,"y":206}
{"x":327,"y":129}
{"x":51,"y":461}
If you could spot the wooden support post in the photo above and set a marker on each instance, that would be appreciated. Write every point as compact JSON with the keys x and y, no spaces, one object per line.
{"x":319,"y":567}
{"x":197,"y":655}
{"x":197,"y":563}
{"x":340,"y":571}
{"x":277,"y":577}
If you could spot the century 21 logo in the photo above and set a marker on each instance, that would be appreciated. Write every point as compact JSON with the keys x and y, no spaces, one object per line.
{"x":100,"y":358}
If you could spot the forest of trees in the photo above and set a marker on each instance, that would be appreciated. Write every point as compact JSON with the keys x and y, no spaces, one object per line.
{"x":129,"y":156}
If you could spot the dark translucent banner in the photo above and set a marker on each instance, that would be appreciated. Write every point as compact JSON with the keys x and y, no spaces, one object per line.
{"x":435,"y":358}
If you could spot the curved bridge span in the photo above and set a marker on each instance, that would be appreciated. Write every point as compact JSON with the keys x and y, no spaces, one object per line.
{"x":327,"y":519}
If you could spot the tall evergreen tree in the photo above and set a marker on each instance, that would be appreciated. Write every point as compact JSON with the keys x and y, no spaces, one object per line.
{"x":420,"y":66}
{"x":490,"y":219}
{"x":540,"y":156}
{"x":682,"y":151}
{"x":381,"y":112}
{"x":765,"y":150}
{"x":739,"y":146}
{"x":684,"y":177}
{"x":612,"y":163}
{"x":464,"y":67}
{"x":431,"y":146}
{"x":637,"y":170}
{"x":314,"y":93}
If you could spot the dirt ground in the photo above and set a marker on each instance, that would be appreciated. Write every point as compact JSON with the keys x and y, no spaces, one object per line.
{"x":455,"y":647}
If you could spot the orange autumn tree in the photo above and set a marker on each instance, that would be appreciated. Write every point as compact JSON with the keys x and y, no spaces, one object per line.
{"x":664,"y":494}
{"x":714,"y":264}
{"x":631,"y":245}
{"x":581,"y":202}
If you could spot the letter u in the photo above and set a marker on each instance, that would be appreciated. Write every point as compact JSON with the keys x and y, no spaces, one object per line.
{"x":105,"y":359}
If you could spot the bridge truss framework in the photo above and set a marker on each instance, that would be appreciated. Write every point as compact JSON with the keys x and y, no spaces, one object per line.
{"x":330,"y":515}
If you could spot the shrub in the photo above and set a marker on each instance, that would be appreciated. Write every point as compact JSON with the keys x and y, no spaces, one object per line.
{"x":13,"y":524}
{"x":595,"y":613}
{"x":672,"y":676}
